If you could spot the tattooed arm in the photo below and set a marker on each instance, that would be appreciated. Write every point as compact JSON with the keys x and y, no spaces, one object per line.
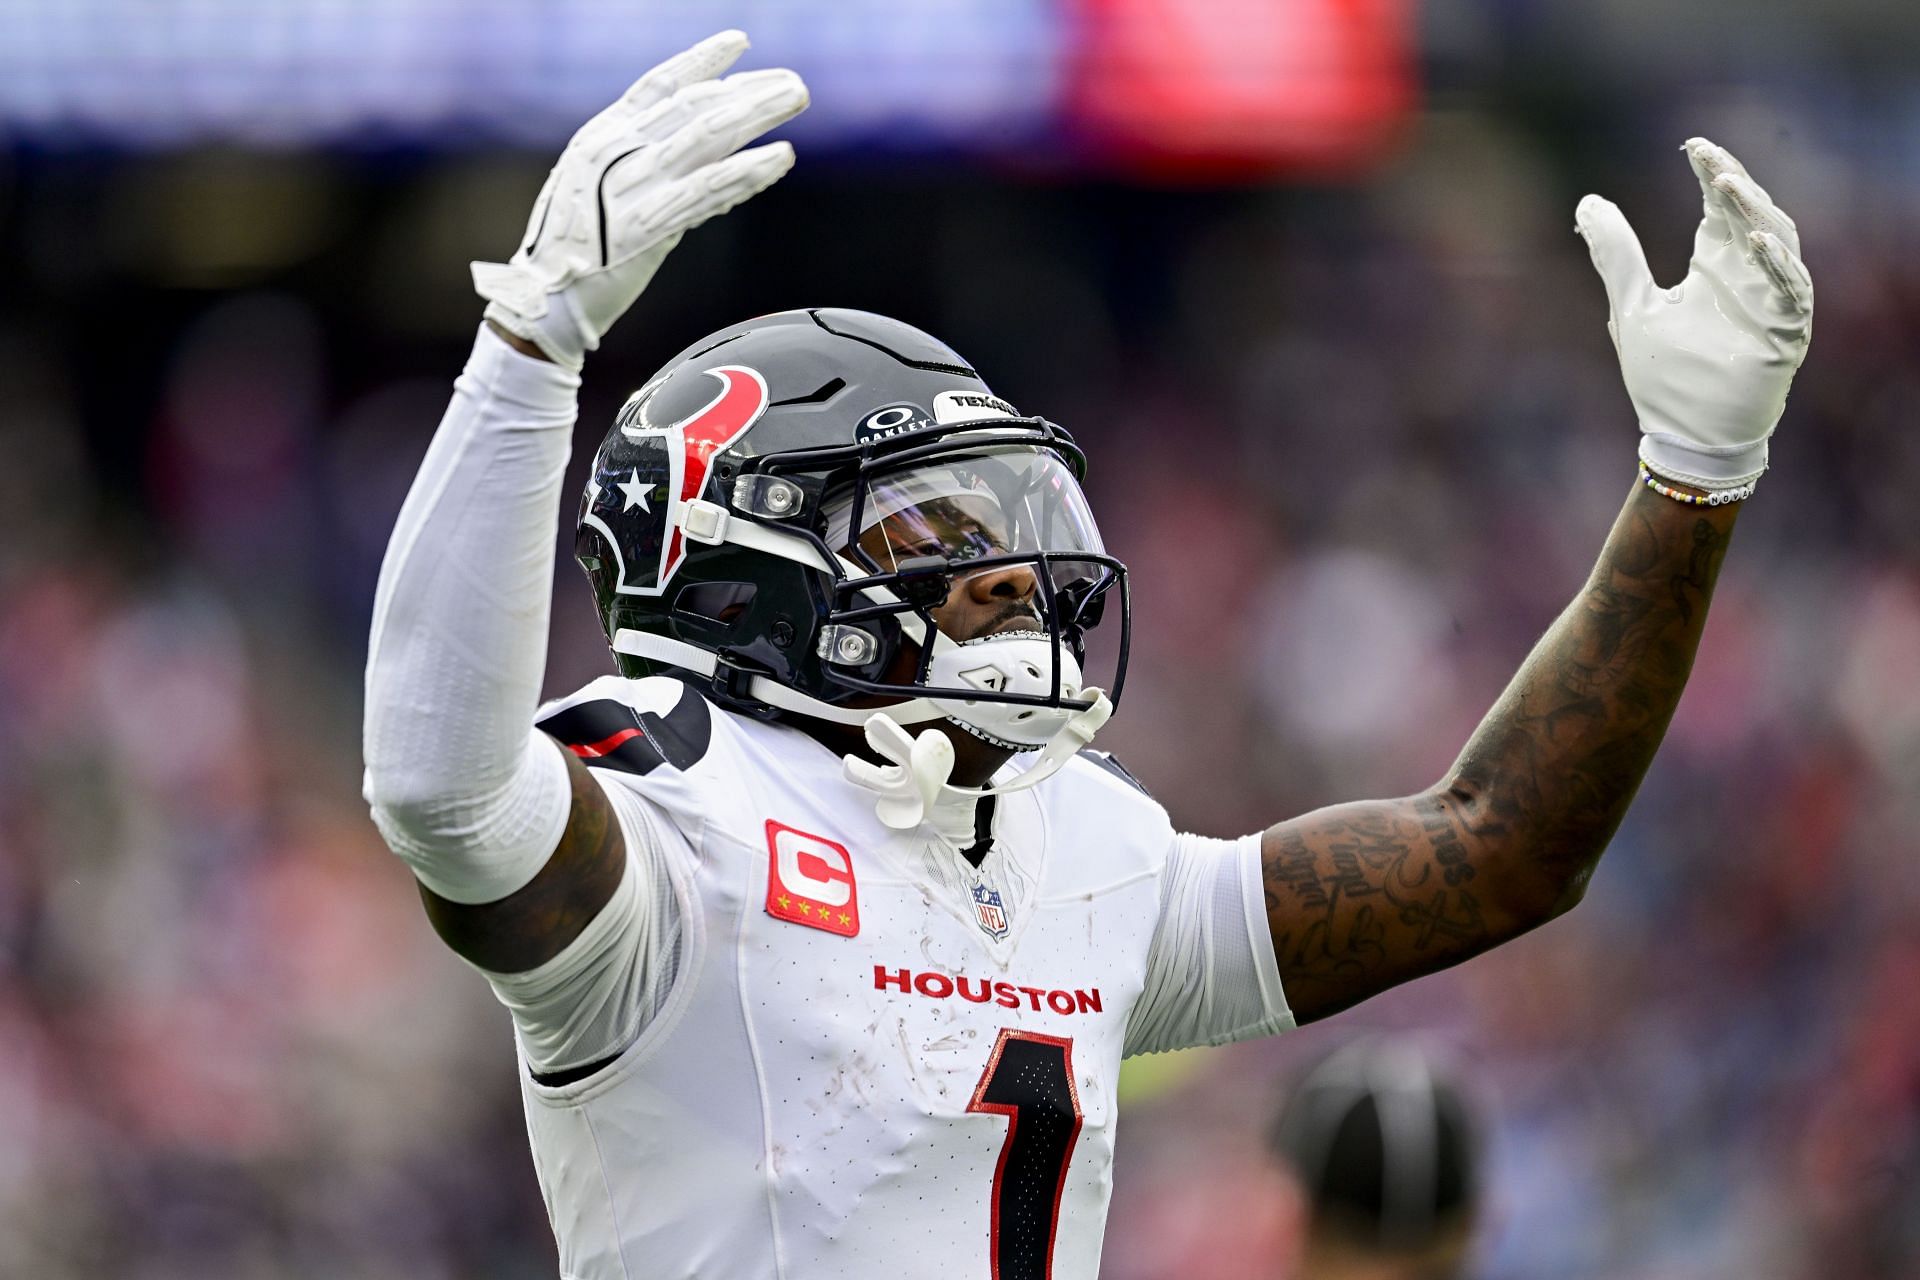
{"x":1363,"y":896}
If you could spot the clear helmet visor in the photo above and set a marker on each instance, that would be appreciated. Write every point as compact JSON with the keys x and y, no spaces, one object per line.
{"x":917,"y":541}
{"x":972,"y":506}
{"x":923,"y":531}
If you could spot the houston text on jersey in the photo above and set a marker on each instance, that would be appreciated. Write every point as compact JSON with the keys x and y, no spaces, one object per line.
{"x":938,"y":986}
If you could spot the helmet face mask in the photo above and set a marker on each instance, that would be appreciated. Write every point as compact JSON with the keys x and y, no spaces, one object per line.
{"x":975,"y":499}
{"x":805,"y":511}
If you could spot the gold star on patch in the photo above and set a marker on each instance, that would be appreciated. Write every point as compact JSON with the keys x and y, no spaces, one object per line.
{"x":805,"y":910}
{"x":845,"y":918}
{"x":784,"y":901}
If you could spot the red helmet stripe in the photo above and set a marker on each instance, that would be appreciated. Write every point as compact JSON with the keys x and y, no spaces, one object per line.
{"x":707,"y":431}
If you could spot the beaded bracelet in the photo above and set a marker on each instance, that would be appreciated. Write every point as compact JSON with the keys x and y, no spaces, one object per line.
{"x":1717,"y":498}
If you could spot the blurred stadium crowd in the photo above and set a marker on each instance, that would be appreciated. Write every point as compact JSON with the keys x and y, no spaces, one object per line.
{"x":1358,"y":444}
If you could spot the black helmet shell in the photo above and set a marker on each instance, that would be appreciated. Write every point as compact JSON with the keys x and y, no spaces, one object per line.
{"x":810,"y":395}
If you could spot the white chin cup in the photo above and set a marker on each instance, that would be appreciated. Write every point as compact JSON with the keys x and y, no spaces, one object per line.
{"x":1010,"y":662}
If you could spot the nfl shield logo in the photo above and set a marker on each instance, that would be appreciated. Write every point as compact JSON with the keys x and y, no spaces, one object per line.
{"x":988,"y":911}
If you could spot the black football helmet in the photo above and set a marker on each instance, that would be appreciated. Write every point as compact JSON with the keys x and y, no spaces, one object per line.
{"x":776,"y":511}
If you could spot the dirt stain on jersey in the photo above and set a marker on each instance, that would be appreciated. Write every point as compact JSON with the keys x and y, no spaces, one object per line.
{"x":849,"y":1085}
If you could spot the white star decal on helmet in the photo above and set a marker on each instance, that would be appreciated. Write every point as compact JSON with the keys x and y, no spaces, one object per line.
{"x":635,"y":491}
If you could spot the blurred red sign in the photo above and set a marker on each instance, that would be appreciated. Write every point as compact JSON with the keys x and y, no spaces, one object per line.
{"x":1225,"y":88}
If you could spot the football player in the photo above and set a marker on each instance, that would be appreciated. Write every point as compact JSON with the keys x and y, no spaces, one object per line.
{"x":822,"y":929}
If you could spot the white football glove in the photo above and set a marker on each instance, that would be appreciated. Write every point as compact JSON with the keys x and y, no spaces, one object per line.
{"x":1708,"y":362}
{"x":659,"y":161}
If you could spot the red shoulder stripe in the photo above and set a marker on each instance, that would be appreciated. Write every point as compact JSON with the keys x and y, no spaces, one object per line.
{"x":593,"y":750}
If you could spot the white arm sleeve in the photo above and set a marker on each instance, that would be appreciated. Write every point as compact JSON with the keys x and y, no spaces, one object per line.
{"x":1211,"y":973}
{"x":595,"y":998}
{"x":460,"y":783}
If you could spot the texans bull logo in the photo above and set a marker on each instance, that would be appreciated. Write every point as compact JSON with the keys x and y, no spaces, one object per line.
{"x":658,"y":470}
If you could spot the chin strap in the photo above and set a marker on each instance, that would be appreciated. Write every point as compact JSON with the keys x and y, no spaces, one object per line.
{"x":678,"y":653}
{"x":915,"y":787}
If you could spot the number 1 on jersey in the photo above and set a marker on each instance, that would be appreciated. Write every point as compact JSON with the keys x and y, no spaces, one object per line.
{"x":1029,"y":1080}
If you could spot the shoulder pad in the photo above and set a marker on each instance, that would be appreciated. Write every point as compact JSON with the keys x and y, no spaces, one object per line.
{"x":1106,"y":761}
{"x":632,"y":726}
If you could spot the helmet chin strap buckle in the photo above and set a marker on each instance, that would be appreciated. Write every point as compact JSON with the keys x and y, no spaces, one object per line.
{"x":729,"y":678}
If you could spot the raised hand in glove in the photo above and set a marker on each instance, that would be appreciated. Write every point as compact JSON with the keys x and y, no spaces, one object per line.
{"x":661,"y":160}
{"x":1708,"y":362}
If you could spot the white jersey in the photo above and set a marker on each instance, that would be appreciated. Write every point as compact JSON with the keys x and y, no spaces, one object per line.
{"x":856,"y":1053}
